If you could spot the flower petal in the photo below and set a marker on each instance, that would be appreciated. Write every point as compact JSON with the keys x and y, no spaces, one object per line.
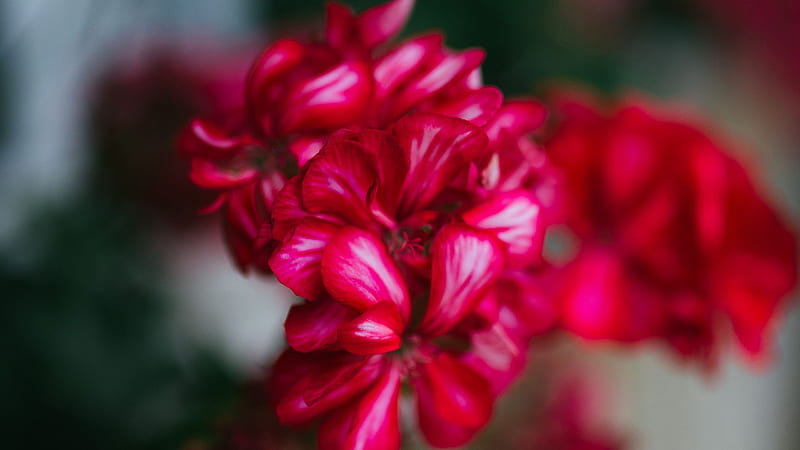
{"x":379,"y":24}
{"x":332,"y":99}
{"x":377,"y":330}
{"x":370,"y":423}
{"x":334,"y":379}
{"x":514,"y":217}
{"x":476,"y":107}
{"x":451,"y":396}
{"x":515,"y":119}
{"x":338,"y":180}
{"x":437,"y":148}
{"x":358,"y":271}
{"x":465,"y":263}
{"x":297,"y":261}
{"x":315,"y":326}
{"x":449,"y":69}
{"x":409,"y":58}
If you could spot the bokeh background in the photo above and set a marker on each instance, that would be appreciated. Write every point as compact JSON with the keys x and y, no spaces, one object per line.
{"x":124,"y":325}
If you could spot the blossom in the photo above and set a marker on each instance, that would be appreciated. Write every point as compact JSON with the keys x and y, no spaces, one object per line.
{"x":401,"y":270}
{"x":674,"y":236}
{"x":298,"y":94}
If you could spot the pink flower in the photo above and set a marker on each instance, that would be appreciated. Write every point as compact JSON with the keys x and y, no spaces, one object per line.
{"x":298,"y":94}
{"x":673,"y":234}
{"x":402,"y":272}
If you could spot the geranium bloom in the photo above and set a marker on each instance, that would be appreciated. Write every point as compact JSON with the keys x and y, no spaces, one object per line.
{"x":404,"y":275}
{"x":673,"y":234}
{"x":298,"y":93}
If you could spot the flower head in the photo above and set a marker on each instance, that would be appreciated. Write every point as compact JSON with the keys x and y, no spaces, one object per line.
{"x":673,"y":234}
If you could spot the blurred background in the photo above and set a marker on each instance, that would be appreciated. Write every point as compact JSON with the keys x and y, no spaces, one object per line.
{"x":125,"y":326}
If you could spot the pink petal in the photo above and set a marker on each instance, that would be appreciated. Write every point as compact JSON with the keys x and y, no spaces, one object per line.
{"x":205,"y":139}
{"x":211,"y":176}
{"x":306,"y":147}
{"x":391,"y":167}
{"x":333,"y":99}
{"x":465,"y":263}
{"x":407,"y":59}
{"x":333,"y":380}
{"x":297,"y":261}
{"x":248,"y":234}
{"x":496,"y":356}
{"x":453,"y":401}
{"x":513,"y":217}
{"x":437,"y":149}
{"x":370,"y":423}
{"x":451,"y":68}
{"x":339,"y":26}
{"x":273,"y":63}
{"x":358,"y":271}
{"x":477,"y":106}
{"x":337,"y":182}
{"x":315,"y":326}
{"x":379,"y":24}
{"x":375,"y":331}
{"x":515,"y":119}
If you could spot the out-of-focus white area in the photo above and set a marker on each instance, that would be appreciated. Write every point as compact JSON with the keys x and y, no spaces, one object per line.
{"x":53,"y":49}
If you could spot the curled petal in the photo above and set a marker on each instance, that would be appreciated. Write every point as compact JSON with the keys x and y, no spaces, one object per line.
{"x":370,"y":423}
{"x":211,"y":176}
{"x":437,"y":149}
{"x":515,"y":218}
{"x":465,"y":263}
{"x":379,"y":24}
{"x":477,"y":107}
{"x":297,"y":261}
{"x":358,"y":271}
{"x":375,"y":331}
{"x":333,"y":99}
{"x":204,"y":139}
{"x":314,"y":326}
{"x":273,"y":63}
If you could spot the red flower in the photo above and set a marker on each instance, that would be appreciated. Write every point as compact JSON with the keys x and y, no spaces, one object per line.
{"x":403,"y":272}
{"x":673,"y":234}
{"x":298,"y":94}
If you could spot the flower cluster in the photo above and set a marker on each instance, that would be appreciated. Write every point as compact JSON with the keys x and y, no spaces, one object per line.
{"x":406,"y":204}
{"x":673,"y":234}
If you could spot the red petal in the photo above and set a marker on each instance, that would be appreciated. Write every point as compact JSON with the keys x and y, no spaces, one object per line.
{"x":306,"y":147}
{"x":333,"y":99}
{"x":273,"y":63}
{"x":379,"y":24}
{"x":334,"y":380}
{"x":375,"y":331}
{"x":437,"y":149}
{"x":407,"y":59}
{"x":314,"y":326}
{"x":477,"y":106}
{"x":370,"y":423}
{"x":296,"y":262}
{"x":358,"y":271}
{"x":516,"y":119}
{"x":337,"y":182}
{"x":205,"y":139}
{"x":465,"y":263}
{"x":452,"y":395}
{"x":339,"y":26}
{"x":210,"y":176}
{"x":451,"y":68}
{"x":514,"y":217}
